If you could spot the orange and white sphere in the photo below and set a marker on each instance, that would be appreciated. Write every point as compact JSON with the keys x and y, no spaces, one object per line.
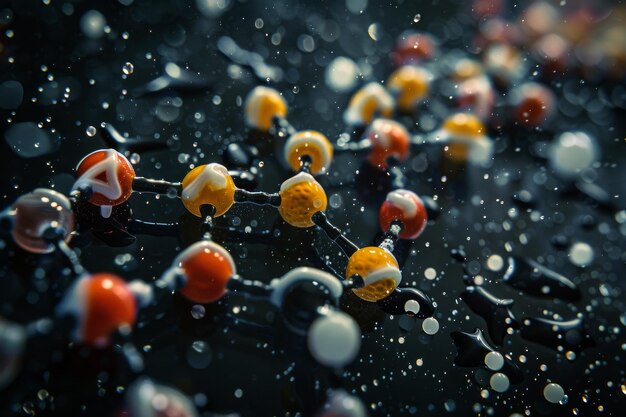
{"x":207,"y":268}
{"x":389,"y":139}
{"x":406,"y":207}
{"x":110,"y":176}
{"x":101,"y":303}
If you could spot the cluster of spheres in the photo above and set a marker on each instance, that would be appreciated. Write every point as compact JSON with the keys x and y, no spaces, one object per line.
{"x":433,"y":145}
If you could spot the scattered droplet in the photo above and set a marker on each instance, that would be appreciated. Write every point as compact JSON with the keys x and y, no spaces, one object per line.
{"x":128,"y":68}
{"x":91,"y":131}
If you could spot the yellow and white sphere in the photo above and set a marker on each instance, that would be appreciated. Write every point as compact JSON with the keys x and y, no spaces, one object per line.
{"x":262,"y":105}
{"x":312,"y":144}
{"x":465,"y":138}
{"x":409,"y":85}
{"x":379,"y":270}
{"x":369,"y":102}
{"x":208,"y":184}
{"x":301,"y":197}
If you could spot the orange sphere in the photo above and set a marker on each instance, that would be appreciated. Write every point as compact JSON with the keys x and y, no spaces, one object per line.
{"x":110,"y":176}
{"x":101,"y":303}
{"x":409,"y":84}
{"x":312,"y":144}
{"x":207,"y":267}
{"x":389,"y":139}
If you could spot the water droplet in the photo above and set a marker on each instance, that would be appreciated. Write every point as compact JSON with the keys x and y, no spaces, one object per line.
{"x":374,"y":31}
{"x":197,"y":311}
{"x":430,"y":325}
{"x":499,"y":382}
{"x":417,"y":18}
{"x":128,"y":68}
{"x":494,"y":361}
{"x":553,"y":393}
{"x":91,"y":131}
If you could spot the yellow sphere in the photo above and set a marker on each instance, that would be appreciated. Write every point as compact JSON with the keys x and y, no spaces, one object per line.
{"x":312,"y":144}
{"x":379,"y":270}
{"x":301,"y":197}
{"x":208,"y":184}
{"x":369,"y":102}
{"x":410,"y":84}
{"x":262,"y":105}
{"x":465,"y":125}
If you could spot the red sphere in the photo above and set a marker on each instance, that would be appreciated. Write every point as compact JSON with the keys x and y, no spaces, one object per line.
{"x":413,"y":48}
{"x":389,"y":139}
{"x":407,"y":207}
{"x":101,"y":304}
{"x":533,"y":104}
{"x":207,"y":267}
{"x":110,"y":176}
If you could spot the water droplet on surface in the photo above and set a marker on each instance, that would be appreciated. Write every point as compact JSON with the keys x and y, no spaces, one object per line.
{"x":430,"y":325}
{"x":494,"y":361}
{"x":499,"y":382}
{"x":553,"y":393}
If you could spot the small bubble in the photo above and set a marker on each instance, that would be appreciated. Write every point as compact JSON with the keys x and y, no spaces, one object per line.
{"x":128,"y":68}
{"x":91,"y":131}
{"x":197,"y":311}
{"x":430,"y":326}
{"x":134,"y":158}
{"x":417,"y":18}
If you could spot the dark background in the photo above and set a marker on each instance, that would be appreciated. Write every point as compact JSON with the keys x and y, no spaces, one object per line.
{"x":385,"y":376}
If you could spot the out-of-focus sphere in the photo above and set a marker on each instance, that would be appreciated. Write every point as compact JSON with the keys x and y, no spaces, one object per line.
{"x":341,"y":404}
{"x":499,"y":382}
{"x":494,"y":361}
{"x":334,"y":339}
{"x":370,"y":101}
{"x":572,"y":153}
{"x":262,"y":105}
{"x":147,"y":399}
{"x":341,"y":74}
{"x":37,"y":211}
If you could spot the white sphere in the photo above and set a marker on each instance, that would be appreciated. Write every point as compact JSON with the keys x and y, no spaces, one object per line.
{"x":334,"y":339}
{"x":572,"y":153}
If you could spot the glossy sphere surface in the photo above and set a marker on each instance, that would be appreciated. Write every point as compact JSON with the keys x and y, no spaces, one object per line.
{"x":409,"y":84}
{"x":262,"y":105}
{"x":37,"y":211}
{"x":379,"y":270}
{"x":463,"y":125}
{"x":312,"y":144}
{"x":532,"y":104}
{"x":389,"y":139}
{"x":147,"y":399}
{"x":109,"y":304}
{"x":207,"y":267}
{"x":109,"y":174}
{"x":208,"y":184}
{"x":301,"y":197}
{"x":406,"y":206}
